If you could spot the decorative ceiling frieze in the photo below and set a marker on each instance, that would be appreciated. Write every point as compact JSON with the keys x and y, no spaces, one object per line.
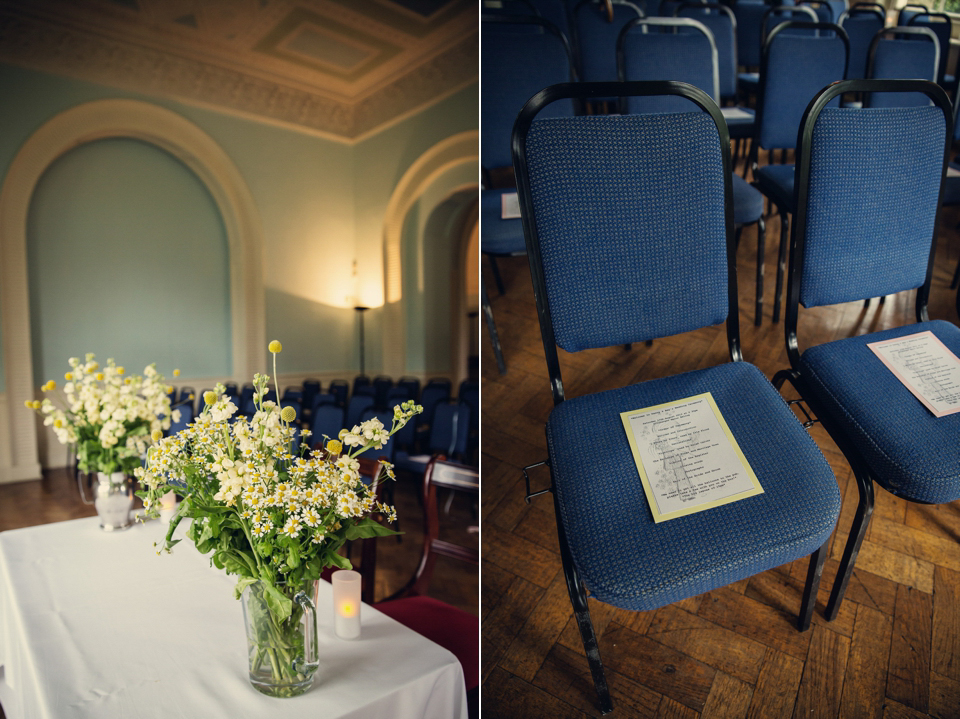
{"x":337,"y":67}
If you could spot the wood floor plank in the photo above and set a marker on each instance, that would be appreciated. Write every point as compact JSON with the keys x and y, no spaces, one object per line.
{"x":520,"y":556}
{"x":495,"y":586}
{"x":707,"y":642}
{"x":729,"y":698}
{"x":908,"y":674}
{"x":946,"y":624}
{"x":776,"y":691}
{"x":823,"y":675}
{"x":540,"y":631}
{"x":505,"y":696}
{"x":944,"y":697}
{"x":865,"y":682}
{"x":895,"y":710}
{"x":916,"y":543}
{"x":670,"y":709}
{"x":785,"y":594}
{"x":501,"y":625}
{"x":890,"y":564}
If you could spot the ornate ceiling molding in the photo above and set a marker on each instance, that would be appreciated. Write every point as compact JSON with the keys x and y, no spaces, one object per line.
{"x":44,"y":43}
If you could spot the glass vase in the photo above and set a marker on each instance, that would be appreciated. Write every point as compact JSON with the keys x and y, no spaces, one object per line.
{"x":282,"y":655}
{"x":114,"y":500}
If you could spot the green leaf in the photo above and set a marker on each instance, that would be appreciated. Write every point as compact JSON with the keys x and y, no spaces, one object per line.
{"x":366,"y":528}
{"x":242,"y":584}
{"x":293,"y":556}
{"x":280,"y":606}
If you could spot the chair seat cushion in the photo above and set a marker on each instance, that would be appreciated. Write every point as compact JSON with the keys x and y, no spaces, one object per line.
{"x":951,"y":187}
{"x":748,"y":81}
{"x":629,"y":561}
{"x":747,"y":202}
{"x":910,"y":452}
{"x":741,"y":121}
{"x":776,"y":182}
{"x":453,"y":629}
{"x":499,"y":236}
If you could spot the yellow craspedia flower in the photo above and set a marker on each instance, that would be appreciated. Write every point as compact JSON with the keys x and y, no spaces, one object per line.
{"x":35,"y":404}
{"x":156,"y":435}
{"x":209,"y":397}
{"x":58,"y":423}
{"x":275,"y":347}
{"x":49,"y":386}
{"x":176,"y":373}
{"x":288,"y":414}
{"x":334,"y":446}
{"x":126,"y":380}
{"x":28,"y":403}
{"x":169,"y":388}
{"x":343,"y":433}
{"x":95,"y":366}
{"x":120,"y":371}
{"x":98,"y":376}
{"x":68,"y":376}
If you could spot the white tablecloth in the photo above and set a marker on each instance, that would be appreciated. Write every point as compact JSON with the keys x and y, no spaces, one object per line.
{"x":95,"y":624}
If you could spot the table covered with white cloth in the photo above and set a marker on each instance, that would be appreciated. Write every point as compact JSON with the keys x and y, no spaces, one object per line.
{"x":96,"y":624}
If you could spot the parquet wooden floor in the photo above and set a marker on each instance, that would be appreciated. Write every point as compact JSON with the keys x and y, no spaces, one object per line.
{"x":892,"y":653}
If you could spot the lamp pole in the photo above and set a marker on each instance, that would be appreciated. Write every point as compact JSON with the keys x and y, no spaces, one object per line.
{"x":360,"y":310}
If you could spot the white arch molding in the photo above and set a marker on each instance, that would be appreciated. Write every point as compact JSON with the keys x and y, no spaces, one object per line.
{"x":194,"y":148}
{"x":460,"y":149}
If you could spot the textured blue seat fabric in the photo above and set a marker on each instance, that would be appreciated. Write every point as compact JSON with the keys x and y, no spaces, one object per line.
{"x":860,"y":27}
{"x":776,"y":182}
{"x":627,"y":560}
{"x":941,"y":25}
{"x":749,"y":15}
{"x":909,"y":58}
{"x":909,"y":451}
{"x":747,"y":202}
{"x":724,"y":35}
{"x":798,"y":67}
{"x":856,"y":246}
{"x":598,"y":40}
{"x":624,"y":237}
{"x":655,"y":55}
{"x":499,"y":236}
{"x":743,"y":123}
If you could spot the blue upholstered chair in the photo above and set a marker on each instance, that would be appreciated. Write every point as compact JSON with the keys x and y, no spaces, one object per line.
{"x":522,"y":54}
{"x":942,"y":27}
{"x":794,"y":69}
{"x":629,"y":227}
{"x":413,"y":387}
{"x":598,"y":25}
{"x":327,"y":422}
{"x":749,"y":15}
{"x":896,"y":156}
{"x":683,"y":50}
{"x":339,"y":388}
{"x":355,"y":407}
{"x":908,"y":11}
{"x":822,"y":9}
{"x":902,"y":53}
{"x":861,"y":23}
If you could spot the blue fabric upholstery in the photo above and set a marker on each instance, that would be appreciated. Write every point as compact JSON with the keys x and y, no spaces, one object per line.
{"x":740,"y":126}
{"x":798,"y":67}
{"x":776,"y":182}
{"x":951,"y":188}
{"x":655,"y":55}
{"x":724,"y":35}
{"x":854,"y":252}
{"x":749,"y":15}
{"x":498,"y":236}
{"x":860,"y":27}
{"x":626,"y":256}
{"x":328,"y":420}
{"x":598,"y":40}
{"x":518,"y":61}
{"x":909,"y":451}
{"x":626,"y":559}
{"x":942,"y":27}
{"x":909,"y":58}
{"x":747,"y":202}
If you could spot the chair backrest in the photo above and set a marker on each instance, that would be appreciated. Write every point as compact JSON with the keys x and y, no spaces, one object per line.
{"x":386,"y":419}
{"x":902,"y":53}
{"x":794,"y":69}
{"x":521,"y":55}
{"x":355,"y":407}
{"x":381,"y":385}
{"x":628,"y":221}
{"x":749,"y":15}
{"x":653,"y":49}
{"x":891,"y":158}
{"x":779,"y":14}
{"x":429,"y":398}
{"x":396,"y":394}
{"x":719,"y":19}
{"x":908,"y":11}
{"x":327,"y":421}
{"x":443,"y":430}
{"x":339,"y":389}
{"x":323,"y":398}
{"x":412,"y":384}
{"x":823,"y":10}
{"x":597,"y":37}
{"x":942,"y":27}
{"x":861,"y":23}
{"x":186,"y":417}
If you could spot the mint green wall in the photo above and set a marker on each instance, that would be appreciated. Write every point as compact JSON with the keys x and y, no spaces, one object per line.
{"x":321,"y":203}
{"x":127,"y":258}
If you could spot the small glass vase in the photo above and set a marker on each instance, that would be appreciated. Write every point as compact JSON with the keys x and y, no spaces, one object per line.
{"x":114,"y":500}
{"x":282,"y":654}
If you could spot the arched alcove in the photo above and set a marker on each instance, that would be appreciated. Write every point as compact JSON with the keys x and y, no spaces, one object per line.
{"x":191,"y":146}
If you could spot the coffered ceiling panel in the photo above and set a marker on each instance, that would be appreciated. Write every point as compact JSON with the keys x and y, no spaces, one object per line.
{"x":343,"y":67}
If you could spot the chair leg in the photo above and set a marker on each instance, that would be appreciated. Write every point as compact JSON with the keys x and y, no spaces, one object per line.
{"x":492,"y":327}
{"x":781,"y":263}
{"x":761,"y":241}
{"x":956,"y":277}
{"x":814,"y":572}
{"x":496,"y":275}
{"x":859,"y":528}
{"x":578,"y":598}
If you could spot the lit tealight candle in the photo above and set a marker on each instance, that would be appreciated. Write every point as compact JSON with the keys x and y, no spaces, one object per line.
{"x":168,"y":506}
{"x":346,"y":604}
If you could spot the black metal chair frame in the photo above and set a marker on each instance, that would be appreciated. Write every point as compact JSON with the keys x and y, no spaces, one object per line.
{"x":857,"y":463}
{"x":944,"y":52}
{"x":755,"y":150}
{"x":908,"y":30}
{"x":575,"y":587}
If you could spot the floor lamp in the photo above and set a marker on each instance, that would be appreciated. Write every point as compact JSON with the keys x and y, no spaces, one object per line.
{"x":360,"y":310}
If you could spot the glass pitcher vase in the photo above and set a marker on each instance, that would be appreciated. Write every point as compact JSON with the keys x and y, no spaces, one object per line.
{"x":282,"y":655}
